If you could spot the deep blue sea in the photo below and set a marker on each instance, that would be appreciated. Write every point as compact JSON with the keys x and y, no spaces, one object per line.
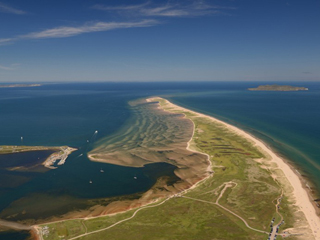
{"x":69,"y":114}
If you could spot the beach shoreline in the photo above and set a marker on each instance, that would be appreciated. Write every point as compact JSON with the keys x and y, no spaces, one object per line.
{"x":301,"y":196}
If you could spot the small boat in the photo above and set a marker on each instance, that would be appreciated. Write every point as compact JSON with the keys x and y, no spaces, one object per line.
{"x":90,"y":181}
{"x":101,"y":170}
{"x":135,"y":177}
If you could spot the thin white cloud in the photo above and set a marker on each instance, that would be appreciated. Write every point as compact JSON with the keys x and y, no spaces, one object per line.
{"x":120,"y":8}
{"x":10,"y":68}
{"x":5,"y":41}
{"x":66,"y":31}
{"x":7,"y":9}
{"x":62,"y":32}
{"x":149,"y":9}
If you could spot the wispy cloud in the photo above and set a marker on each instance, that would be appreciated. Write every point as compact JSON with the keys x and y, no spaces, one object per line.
{"x":5,"y":41}
{"x":62,"y":32}
{"x":66,"y":31}
{"x":8,"y":9}
{"x":149,"y":9}
{"x":121,"y":7}
{"x":5,"y":68}
{"x":10,"y":68}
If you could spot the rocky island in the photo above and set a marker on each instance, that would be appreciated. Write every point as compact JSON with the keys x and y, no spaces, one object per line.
{"x":276,"y":87}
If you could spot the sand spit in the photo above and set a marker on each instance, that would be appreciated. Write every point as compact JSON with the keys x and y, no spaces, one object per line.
{"x":282,"y":172}
{"x":155,"y":139}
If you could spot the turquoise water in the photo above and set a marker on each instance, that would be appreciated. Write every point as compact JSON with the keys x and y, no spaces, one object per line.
{"x":69,"y":114}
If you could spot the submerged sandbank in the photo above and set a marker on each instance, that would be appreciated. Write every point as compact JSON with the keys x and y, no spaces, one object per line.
{"x":155,"y":136}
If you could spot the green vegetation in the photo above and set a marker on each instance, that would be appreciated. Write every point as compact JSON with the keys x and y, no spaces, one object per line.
{"x":251,"y":194}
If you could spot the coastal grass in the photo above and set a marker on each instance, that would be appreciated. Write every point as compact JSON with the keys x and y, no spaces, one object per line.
{"x":252,"y":194}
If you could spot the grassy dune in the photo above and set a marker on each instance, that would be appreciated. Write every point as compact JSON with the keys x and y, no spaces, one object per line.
{"x":252,"y":195}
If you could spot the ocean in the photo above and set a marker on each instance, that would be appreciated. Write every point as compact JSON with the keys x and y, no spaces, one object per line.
{"x":70,"y":114}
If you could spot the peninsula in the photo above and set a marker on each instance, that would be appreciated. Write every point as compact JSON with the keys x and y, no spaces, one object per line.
{"x":232,"y":186}
{"x":276,"y":87}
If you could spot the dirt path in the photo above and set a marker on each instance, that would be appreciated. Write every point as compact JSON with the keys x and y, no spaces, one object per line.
{"x":276,"y":226}
{"x":228,"y":184}
{"x":121,"y":221}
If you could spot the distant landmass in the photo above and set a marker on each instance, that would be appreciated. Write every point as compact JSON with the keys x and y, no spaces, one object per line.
{"x":276,"y":87}
{"x":18,"y":85}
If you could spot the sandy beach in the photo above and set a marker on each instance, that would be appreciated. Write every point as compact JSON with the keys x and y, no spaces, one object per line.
{"x":298,"y":194}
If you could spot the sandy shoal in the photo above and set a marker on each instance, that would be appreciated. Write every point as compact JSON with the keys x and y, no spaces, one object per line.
{"x":300,"y":194}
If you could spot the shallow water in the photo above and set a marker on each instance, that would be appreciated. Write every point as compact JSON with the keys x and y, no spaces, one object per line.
{"x":25,"y":159}
{"x":151,"y":135}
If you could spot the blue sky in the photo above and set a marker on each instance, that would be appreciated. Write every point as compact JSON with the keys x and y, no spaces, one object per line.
{"x":117,"y":40}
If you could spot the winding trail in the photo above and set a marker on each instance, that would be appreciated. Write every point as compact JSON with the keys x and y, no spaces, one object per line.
{"x":84,"y":225}
{"x":121,"y":221}
{"x":276,"y":226}
{"x":228,"y":184}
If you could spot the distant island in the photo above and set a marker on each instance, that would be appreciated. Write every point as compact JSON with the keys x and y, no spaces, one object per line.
{"x":276,"y":87}
{"x":18,"y":85}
